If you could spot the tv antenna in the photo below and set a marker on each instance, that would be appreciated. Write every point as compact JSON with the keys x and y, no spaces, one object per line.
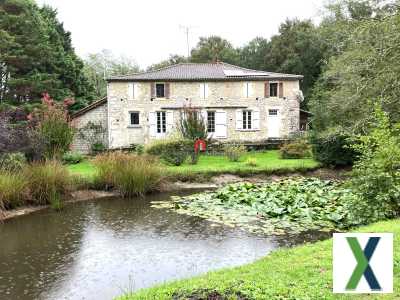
{"x":187,"y":29}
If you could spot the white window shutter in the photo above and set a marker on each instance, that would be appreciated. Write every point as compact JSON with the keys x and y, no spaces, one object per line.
{"x":250,"y":89}
{"x":220,"y":124}
{"x":135,"y":90}
{"x":130,"y":91}
{"x":204,"y":116}
{"x":170,"y":121}
{"x":245,"y":90}
{"x":255,"y":116}
{"x":239,"y":119}
{"x":201,"y":90}
{"x":206,"y":90}
{"x":153,"y":123}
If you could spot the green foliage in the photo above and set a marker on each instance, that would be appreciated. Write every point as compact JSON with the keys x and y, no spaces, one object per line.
{"x":365,"y":67}
{"x":173,"y":152}
{"x":72,"y":157}
{"x":13,"y":190}
{"x":12,"y":161}
{"x":131,"y":174}
{"x":376,"y":173}
{"x":296,"y":149}
{"x":98,"y":147}
{"x":212,"y":49}
{"x":234,"y":152}
{"x":47,"y":181}
{"x":332,"y":147}
{"x":283,"y":206}
{"x":37,"y":55}
{"x":55,"y":131}
{"x":192,"y":125}
{"x":302,"y":272}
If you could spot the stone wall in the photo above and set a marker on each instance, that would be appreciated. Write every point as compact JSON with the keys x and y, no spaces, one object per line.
{"x":97,"y":116}
{"x":233,"y":95}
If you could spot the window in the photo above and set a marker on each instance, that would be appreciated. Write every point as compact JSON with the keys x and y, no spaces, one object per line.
{"x":273,"y":89}
{"x":134,"y":118}
{"x":160,"y":90}
{"x":161,"y":122}
{"x":273,"y":112}
{"x":246,"y":119}
{"x":211,"y":121}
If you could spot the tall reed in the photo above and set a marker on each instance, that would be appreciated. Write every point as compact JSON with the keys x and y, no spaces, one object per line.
{"x":13,"y":190}
{"x":131,"y":174}
{"x":48,"y":182}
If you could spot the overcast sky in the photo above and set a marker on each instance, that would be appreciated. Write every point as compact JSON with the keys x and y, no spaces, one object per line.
{"x":149,"y":30}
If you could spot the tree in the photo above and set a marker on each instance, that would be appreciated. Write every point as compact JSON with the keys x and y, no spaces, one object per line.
{"x":297,"y":49}
{"x":37,"y":55}
{"x":99,"y":66}
{"x":253,"y":55}
{"x":212,"y":49}
{"x":369,"y":68}
{"x":172,"y":60}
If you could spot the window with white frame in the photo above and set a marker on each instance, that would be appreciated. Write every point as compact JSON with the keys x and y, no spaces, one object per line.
{"x":161,"y":122}
{"x":134,"y":118}
{"x":210,"y":121}
{"x":247,"y":119}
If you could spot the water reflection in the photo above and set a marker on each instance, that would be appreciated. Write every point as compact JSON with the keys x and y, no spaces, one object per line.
{"x":97,"y":250}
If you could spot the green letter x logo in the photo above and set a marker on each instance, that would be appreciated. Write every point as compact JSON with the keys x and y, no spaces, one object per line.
{"x":363,"y":267}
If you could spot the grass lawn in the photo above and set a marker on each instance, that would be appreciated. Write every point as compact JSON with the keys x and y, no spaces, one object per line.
{"x":267,"y":162}
{"x":303,"y":272}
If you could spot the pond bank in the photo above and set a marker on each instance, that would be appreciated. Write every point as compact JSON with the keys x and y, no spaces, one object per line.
{"x":100,"y":249}
{"x":303,"y":272}
{"x":214,"y":182}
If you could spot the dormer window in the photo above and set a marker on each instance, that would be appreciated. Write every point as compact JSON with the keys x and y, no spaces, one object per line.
{"x":160,"y":90}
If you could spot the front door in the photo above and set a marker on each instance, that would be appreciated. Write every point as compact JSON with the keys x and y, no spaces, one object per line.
{"x":273,"y":123}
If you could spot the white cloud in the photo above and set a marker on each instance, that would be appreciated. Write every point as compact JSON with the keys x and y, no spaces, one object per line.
{"x":150,"y":30}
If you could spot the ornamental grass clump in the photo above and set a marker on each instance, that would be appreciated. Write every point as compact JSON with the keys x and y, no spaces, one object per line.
{"x":13,"y":190}
{"x":131,"y":174}
{"x":48,"y":182}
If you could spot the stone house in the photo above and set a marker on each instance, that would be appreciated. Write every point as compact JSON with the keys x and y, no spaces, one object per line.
{"x":237,"y":104}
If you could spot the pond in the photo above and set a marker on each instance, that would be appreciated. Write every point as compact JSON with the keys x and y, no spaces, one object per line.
{"x":101,"y":249}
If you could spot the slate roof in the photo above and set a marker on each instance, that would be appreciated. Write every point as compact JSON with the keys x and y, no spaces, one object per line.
{"x":91,"y":106}
{"x":218,"y":71}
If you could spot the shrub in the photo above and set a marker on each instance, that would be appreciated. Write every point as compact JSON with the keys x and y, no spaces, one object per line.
{"x":12,"y":161}
{"x":53,"y":126}
{"x":97,"y":147}
{"x":131,"y":174}
{"x":47,"y":181}
{"x":234,"y":152}
{"x":173,"y":152}
{"x":251,"y":161}
{"x":376,"y":173}
{"x":13,"y":190}
{"x":191,"y":124}
{"x":72,"y":157}
{"x":332,"y":147}
{"x":296,"y":149}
